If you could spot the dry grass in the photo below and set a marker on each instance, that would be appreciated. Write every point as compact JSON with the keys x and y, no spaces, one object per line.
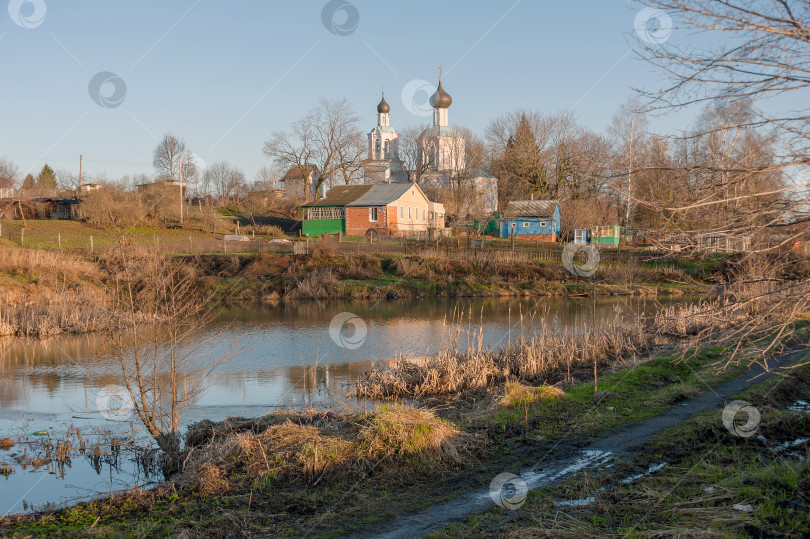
{"x":517,"y":394}
{"x":306,"y":448}
{"x":6,"y":443}
{"x":264,"y":230}
{"x":550,"y":356}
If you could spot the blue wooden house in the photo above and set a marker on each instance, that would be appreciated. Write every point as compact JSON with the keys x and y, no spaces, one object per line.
{"x":537,"y":220}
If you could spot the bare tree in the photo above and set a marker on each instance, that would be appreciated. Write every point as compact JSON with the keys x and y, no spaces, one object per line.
{"x":754,"y":51}
{"x":167,"y":156}
{"x":328,"y":137}
{"x":411,"y":156}
{"x":9,"y":174}
{"x":628,"y":129}
{"x":225,"y":179}
{"x":268,"y":179}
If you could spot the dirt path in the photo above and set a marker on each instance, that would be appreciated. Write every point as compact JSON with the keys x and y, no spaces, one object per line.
{"x":550,"y":470}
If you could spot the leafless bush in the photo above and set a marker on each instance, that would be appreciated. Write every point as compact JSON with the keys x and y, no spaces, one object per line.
{"x":265,"y":230}
{"x":156,"y":342}
{"x":112,"y":207}
{"x":757,"y":307}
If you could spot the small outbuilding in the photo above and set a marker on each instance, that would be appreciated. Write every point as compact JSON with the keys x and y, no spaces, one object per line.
{"x":537,"y":220}
{"x":607,"y":236}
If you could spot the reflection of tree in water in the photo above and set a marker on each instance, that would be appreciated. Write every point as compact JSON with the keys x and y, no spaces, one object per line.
{"x":29,"y":366}
{"x":325,"y":382}
{"x":315,"y":314}
{"x":45,"y":364}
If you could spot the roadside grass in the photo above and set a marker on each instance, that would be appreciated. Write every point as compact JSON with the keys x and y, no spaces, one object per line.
{"x":713,"y":483}
{"x":624,"y":396}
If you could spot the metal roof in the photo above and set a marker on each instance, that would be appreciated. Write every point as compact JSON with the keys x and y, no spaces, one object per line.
{"x":383,"y":193}
{"x":531,"y":208}
{"x":340,"y":195}
{"x":441,"y":131}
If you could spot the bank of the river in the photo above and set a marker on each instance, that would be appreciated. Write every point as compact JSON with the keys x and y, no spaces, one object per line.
{"x":45,"y":293}
{"x":330,"y":474}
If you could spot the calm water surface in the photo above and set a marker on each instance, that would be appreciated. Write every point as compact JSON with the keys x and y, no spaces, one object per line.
{"x":284,"y":356}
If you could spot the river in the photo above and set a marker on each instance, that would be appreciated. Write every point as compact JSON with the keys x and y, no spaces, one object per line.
{"x":290,"y":355}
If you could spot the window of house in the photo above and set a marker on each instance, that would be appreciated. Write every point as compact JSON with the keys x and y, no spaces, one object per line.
{"x":525,"y":224}
{"x":372,"y":214}
{"x":409,"y":214}
{"x":543,"y":223}
{"x":514,"y":225}
{"x":402,"y":212}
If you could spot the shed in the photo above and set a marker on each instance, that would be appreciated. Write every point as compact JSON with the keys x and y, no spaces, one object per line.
{"x":532,"y":220}
{"x":608,"y":236}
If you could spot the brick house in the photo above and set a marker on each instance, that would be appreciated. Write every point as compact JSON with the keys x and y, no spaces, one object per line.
{"x":390,"y":208}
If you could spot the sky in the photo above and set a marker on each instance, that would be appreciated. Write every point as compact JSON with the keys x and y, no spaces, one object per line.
{"x":107,"y":79}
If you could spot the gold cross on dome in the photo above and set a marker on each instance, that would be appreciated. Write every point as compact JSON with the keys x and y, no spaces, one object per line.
{"x":440,"y":72}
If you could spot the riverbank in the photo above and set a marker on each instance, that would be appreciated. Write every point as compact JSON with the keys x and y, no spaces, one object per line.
{"x":46,"y":292}
{"x":332,"y":474}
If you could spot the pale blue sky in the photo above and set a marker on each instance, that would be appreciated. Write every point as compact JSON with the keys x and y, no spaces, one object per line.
{"x":224,"y":75}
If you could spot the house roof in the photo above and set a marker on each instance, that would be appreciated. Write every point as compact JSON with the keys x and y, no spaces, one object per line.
{"x":441,"y":131}
{"x":382,"y":194}
{"x":363,"y":195}
{"x":531,"y":208}
{"x":298,"y":173}
{"x":340,"y":195}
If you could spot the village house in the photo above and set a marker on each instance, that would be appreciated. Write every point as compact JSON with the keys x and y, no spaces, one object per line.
{"x":300,"y":182}
{"x":391,"y":208}
{"x":537,"y":220}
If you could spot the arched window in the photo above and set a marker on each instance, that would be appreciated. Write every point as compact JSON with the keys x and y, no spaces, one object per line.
{"x":387,"y":147}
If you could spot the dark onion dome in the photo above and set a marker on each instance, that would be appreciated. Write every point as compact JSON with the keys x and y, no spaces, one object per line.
{"x":441,"y":99}
{"x":383,"y":107}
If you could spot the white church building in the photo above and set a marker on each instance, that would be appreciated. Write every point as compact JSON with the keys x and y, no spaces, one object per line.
{"x":441,"y":153}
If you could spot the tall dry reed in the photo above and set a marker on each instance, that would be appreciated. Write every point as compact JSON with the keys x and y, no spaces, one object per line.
{"x":549,"y":356}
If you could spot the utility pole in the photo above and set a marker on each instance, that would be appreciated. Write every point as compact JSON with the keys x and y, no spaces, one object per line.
{"x":181,"y":190}
{"x":80,"y":174}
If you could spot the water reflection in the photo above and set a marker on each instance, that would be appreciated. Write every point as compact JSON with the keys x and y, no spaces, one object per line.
{"x":286,"y":356}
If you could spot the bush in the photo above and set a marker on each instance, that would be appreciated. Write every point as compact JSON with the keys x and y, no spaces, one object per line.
{"x":112,"y":207}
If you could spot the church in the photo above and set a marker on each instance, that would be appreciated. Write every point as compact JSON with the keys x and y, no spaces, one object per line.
{"x":445,"y":176}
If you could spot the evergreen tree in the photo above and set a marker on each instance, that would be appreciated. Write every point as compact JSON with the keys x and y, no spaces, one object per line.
{"x":47,"y":179}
